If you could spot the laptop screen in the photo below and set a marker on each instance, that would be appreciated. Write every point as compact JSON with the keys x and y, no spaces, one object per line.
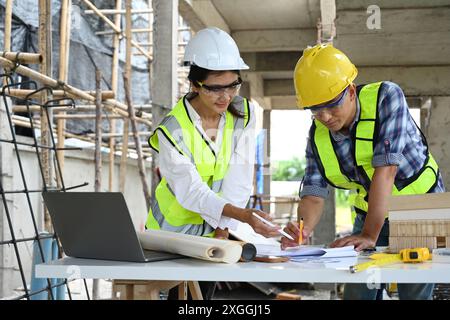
{"x":94,"y":225}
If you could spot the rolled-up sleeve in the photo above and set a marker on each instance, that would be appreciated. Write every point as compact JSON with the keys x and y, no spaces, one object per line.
{"x":313,"y":184}
{"x":393,"y":121}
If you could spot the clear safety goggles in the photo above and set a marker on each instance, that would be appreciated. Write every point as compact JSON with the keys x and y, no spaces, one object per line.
{"x":329,"y":106}
{"x":216,"y":90}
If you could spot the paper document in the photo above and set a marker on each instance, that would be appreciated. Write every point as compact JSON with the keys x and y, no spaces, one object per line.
{"x":246,"y":233}
{"x":314,"y":262}
{"x":303,"y":251}
{"x":210,"y":249}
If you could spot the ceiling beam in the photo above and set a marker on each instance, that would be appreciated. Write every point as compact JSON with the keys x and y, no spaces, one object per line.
{"x":389,"y":4}
{"x":271,"y":61}
{"x":274,"y":40}
{"x":420,"y":48}
{"x":327,"y":17}
{"x":200,"y":14}
{"x":415,"y":81}
{"x":395,"y":21}
{"x":283,"y":102}
{"x":413,"y":37}
{"x":279,"y":87}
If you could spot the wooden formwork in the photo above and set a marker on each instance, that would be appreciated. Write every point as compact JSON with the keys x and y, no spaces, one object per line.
{"x":422,"y":233}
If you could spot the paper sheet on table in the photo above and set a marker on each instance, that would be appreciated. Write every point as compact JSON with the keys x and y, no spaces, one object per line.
{"x":272,"y":250}
{"x":210,"y":249}
{"x":313,"y":262}
{"x":246,"y":233}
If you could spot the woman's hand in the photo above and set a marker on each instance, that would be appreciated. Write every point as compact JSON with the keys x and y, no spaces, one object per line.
{"x":221,"y":233}
{"x":260,"y":227}
{"x":246,"y":216}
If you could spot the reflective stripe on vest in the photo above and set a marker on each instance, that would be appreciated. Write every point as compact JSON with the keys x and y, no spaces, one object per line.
{"x":167,"y":213}
{"x":363,"y":142}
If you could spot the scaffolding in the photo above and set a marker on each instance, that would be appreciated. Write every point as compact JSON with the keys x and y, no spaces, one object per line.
{"x":47,"y":107}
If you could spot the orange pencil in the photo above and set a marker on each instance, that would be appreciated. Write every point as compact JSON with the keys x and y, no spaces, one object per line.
{"x":300,"y":236}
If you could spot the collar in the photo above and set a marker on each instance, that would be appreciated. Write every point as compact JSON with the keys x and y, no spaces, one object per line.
{"x":195,"y":117}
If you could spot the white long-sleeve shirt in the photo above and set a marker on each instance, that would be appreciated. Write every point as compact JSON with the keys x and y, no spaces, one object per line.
{"x":187,"y":185}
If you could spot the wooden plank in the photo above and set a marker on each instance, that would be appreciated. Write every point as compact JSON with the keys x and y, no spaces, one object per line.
{"x":45,"y":47}
{"x":421,"y":201}
{"x":8,"y":25}
{"x":112,"y":104}
{"x":22,"y":57}
{"x":114,"y":82}
{"x":137,"y":142}
{"x":288,"y":296}
{"x":195,"y":291}
{"x":112,"y":25}
{"x":182,"y":291}
{"x":64,"y":45}
{"x":22,"y":93}
{"x":118,"y":11}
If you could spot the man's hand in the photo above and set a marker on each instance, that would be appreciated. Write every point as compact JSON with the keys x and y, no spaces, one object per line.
{"x":360,"y":242}
{"x":293,"y":230}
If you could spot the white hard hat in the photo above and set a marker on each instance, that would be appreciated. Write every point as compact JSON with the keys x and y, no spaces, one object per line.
{"x":214,"y":49}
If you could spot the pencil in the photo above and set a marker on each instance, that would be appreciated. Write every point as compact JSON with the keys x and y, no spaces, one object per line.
{"x":300,"y":236}
{"x":271,"y":225}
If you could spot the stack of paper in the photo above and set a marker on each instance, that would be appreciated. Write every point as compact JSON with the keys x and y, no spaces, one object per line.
{"x":244,"y":232}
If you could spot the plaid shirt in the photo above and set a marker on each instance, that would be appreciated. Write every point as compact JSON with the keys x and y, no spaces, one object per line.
{"x":399,"y":143}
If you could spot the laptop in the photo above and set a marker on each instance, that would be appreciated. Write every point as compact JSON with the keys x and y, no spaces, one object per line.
{"x":97,"y":225}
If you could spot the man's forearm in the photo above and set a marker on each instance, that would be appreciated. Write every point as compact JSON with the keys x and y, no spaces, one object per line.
{"x":310,"y":208}
{"x":380,"y":190}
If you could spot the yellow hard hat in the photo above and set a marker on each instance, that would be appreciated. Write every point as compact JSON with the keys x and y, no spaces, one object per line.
{"x":321,"y":73}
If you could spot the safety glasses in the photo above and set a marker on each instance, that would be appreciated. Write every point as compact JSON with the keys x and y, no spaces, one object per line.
{"x":216,"y":90}
{"x":329,"y":106}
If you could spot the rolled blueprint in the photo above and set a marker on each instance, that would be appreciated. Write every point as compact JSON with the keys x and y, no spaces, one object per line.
{"x":210,"y":249}
{"x":248,"y":251}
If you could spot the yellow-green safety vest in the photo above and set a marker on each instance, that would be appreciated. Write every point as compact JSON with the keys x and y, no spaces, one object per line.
{"x":364,"y":138}
{"x":166,"y":212}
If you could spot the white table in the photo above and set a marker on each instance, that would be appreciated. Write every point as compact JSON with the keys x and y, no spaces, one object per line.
{"x":198,"y":270}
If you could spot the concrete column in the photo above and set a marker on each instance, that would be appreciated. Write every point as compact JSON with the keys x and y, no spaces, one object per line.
{"x":267,"y":174}
{"x":434,"y":123}
{"x":7,"y":261}
{"x":255,"y":90}
{"x":325,"y":230}
{"x":164,"y":65}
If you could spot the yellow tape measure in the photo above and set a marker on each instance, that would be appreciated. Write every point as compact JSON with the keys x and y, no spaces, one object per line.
{"x":405,"y":255}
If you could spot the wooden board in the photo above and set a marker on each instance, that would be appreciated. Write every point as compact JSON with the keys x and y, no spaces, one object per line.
{"x":420,"y":201}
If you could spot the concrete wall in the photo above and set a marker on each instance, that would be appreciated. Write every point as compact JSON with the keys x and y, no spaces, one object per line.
{"x":79,"y":168}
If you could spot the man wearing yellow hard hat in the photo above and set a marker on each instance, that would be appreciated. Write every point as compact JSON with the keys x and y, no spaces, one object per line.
{"x":363,"y":138}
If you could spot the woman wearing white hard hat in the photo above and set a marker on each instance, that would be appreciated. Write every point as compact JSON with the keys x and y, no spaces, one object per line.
{"x":206,"y":147}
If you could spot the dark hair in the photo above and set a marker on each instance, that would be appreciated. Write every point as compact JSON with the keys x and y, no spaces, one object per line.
{"x":199,"y":74}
